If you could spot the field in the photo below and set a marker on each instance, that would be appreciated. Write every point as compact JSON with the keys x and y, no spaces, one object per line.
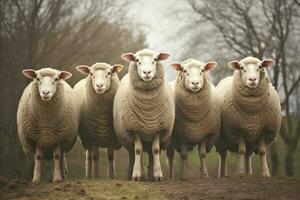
{"x":207,"y":188}
{"x":232,"y":187}
{"x":76,"y":162}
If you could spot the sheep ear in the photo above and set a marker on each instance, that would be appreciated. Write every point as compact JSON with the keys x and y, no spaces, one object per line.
{"x":29,"y":73}
{"x":84,"y":69}
{"x":129,"y":57}
{"x":234,"y":65}
{"x":266,"y":63}
{"x":116,"y":68}
{"x":210,"y":65}
{"x":64,"y":75}
{"x":177,"y":66}
{"x":163,"y":56}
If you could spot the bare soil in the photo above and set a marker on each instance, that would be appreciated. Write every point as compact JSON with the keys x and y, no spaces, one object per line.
{"x":206,"y":188}
{"x":232,"y":188}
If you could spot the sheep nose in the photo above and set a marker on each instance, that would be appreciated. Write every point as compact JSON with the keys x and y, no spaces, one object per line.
{"x":252,"y":79}
{"x":147,"y":72}
{"x":45,"y":92}
{"x":195,"y":83}
{"x":99,"y":85}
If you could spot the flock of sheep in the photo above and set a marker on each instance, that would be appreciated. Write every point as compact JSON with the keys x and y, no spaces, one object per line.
{"x":143,"y":112}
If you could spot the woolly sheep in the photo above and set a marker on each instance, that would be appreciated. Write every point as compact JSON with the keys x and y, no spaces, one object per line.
{"x":94,"y":96}
{"x":250,"y":114}
{"x":144,"y":111}
{"x":197,"y":119}
{"x":46,"y":119}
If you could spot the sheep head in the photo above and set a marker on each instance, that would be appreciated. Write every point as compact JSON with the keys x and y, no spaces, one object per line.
{"x":146,"y":62}
{"x":250,"y":69}
{"x":193,"y":72}
{"x":100,"y":74}
{"x":47,"y":80}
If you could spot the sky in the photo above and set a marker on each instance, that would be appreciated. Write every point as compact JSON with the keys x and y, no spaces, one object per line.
{"x":159,"y":25}
{"x":151,"y":15}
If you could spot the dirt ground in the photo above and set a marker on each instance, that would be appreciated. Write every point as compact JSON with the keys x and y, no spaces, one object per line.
{"x":208,"y":188}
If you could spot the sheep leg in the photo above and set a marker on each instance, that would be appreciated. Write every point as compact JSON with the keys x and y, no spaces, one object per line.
{"x":88,"y":163}
{"x":37,"y":172}
{"x":138,"y":150}
{"x":142,"y":168}
{"x":111,"y":163}
{"x":222,"y":163}
{"x":263,"y":157}
{"x":242,"y":156}
{"x":150,"y":167}
{"x":202,"y":155}
{"x":63,"y":165}
{"x":156,"y":154}
{"x":57,"y":156}
{"x":170,"y":156}
{"x":184,"y":158}
{"x":248,"y":163}
{"x":130,"y":164}
{"x":95,"y":160}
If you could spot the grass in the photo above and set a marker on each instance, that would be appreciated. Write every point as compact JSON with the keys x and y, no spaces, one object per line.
{"x":84,"y":189}
{"x":76,"y":162}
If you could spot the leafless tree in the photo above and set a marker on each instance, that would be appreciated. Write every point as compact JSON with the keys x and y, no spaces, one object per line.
{"x":53,"y":33}
{"x":262,"y":28}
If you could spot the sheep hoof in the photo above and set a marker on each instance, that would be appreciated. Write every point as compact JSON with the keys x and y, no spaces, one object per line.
{"x":158,"y":178}
{"x":266,"y":175}
{"x":136,"y":175}
{"x":36,"y":181}
{"x":57,"y":179}
{"x":204,"y":176}
{"x":158,"y":175}
{"x":136,"y":178}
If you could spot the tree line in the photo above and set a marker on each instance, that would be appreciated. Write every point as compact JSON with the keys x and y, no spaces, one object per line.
{"x":53,"y":33}
{"x":234,"y":29}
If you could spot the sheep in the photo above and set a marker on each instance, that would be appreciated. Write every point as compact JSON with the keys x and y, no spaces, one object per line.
{"x":250,"y":114}
{"x":46,"y":119}
{"x":144,"y":112}
{"x":94,"y":96}
{"x":197,"y":119}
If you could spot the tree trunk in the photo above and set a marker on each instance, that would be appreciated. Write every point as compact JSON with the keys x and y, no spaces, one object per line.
{"x":289,"y":163}
{"x":274,"y":160}
{"x":26,"y":165}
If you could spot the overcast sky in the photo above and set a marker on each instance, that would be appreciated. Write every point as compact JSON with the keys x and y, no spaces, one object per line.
{"x":159,"y":26}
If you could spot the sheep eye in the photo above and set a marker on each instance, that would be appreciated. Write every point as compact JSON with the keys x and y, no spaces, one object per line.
{"x":202,"y":70}
{"x":92,"y":74}
{"x":242,"y":68}
{"x":38,"y":79}
{"x":138,"y":61}
{"x":56,"y":79}
{"x":108,"y":73}
{"x":184,"y":71}
{"x":155,"y":59}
